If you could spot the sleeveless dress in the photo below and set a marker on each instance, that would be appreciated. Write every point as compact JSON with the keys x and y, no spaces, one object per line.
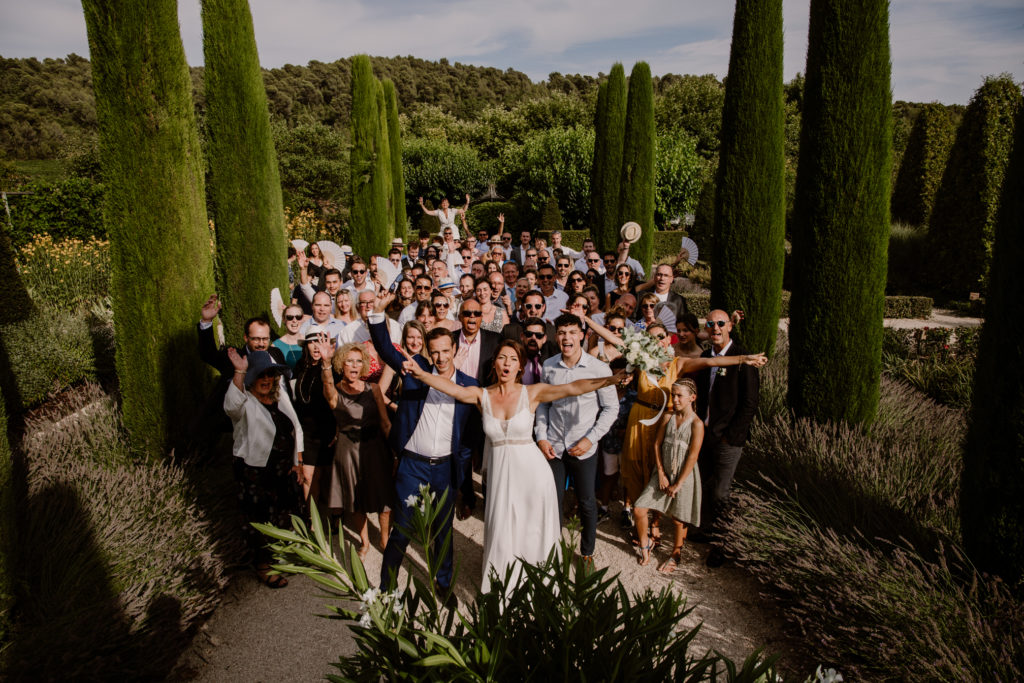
{"x":521,"y":516}
{"x":637,"y":461}
{"x":361,"y":478}
{"x":685,"y":506}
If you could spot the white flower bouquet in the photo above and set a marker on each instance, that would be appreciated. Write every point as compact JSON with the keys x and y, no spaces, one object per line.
{"x":643,"y":352}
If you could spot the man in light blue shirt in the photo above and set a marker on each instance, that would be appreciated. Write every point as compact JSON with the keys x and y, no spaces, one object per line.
{"x":567,"y":430}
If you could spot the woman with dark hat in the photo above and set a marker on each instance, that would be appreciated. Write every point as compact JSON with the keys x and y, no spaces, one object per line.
{"x":267,"y":448}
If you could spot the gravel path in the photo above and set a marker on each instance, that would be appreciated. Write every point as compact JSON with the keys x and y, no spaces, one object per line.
{"x":259,"y":634}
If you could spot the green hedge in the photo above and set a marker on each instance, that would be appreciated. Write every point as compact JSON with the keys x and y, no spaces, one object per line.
{"x":895,"y":306}
{"x":71,"y":207}
{"x":924,"y":160}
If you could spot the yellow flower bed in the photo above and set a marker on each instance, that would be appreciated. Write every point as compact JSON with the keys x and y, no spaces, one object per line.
{"x":65,"y":273}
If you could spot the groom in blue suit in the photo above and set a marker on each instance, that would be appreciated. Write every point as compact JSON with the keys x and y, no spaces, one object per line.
{"x":427,"y":435}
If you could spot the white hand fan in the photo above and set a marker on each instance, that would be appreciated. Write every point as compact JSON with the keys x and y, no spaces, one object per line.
{"x":276,"y":305}
{"x":300,"y":245}
{"x":666,"y":315}
{"x":691,"y":250}
{"x":386,"y":271}
{"x":335,"y":252}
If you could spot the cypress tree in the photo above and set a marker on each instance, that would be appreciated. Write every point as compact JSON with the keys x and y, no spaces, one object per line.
{"x":924,"y":160}
{"x":963,"y":221}
{"x":597,"y":167}
{"x":395,"y":145}
{"x":992,"y":486}
{"x":154,"y":209}
{"x":637,"y":177}
{"x":244,"y":185}
{"x":371,"y":218}
{"x":750,"y":205}
{"x":606,"y":196}
{"x":8,"y":527}
{"x":383,"y":172}
{"x":841,"y":213}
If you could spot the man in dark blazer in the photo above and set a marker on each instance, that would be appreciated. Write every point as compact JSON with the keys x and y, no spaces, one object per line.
{"x":474,"y":355}
{"x":661,"y":284}
{"x":428,"y":434}
{"x":519,"y":253}
{"x":727,"y":401}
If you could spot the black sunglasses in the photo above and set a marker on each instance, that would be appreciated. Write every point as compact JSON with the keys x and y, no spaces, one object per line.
{"x":711,"y":324}
{"x":616,"y":330}
{"x":533,"y":306}
{"x":293,"y":317}
{"x":472,"y":314}
{"x":533,"y":335}
{"x":546,"y":277}
{"x":357,"y":272}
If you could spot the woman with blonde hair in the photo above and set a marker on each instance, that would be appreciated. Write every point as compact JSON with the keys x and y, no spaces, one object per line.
{"x":363,"y":464}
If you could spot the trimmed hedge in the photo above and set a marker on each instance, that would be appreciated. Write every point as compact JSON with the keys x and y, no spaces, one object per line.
{"x":245,"y":186}
{"x":963,"y":221}
{"x":895,"y":306}
{"x":924,"y":160}
{"x":484,"y":216}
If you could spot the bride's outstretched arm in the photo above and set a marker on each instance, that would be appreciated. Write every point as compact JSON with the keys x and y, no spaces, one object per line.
{"x":545,"y":393}
{"x":443,"y":384}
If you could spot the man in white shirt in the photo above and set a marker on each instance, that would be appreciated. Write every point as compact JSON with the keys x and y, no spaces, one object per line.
{"x":322,"y":317}
{"x":582,"y":263}
{"x":554,"y":299}
{"x":567,"y":430}
{"x":556,"y":243}
{"x":359,"y":331}
{"x":359,"y":282}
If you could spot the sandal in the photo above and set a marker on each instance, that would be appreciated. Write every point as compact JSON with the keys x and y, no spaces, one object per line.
{"x":271,"y":580}
{"x":670,"y":565}
{"x":645,"y":553}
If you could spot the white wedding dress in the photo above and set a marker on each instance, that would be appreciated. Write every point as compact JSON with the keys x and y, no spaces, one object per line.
{"x":521,"y":516}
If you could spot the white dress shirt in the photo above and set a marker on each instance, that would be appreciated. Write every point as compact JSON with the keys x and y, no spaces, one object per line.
{"x":333,"y":325}
{"x":555,"y":303}
{"x":565,"y":421}
{"x":433,"y":434}
{"x":359,"y":333}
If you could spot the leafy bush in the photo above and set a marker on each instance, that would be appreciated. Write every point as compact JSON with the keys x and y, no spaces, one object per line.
{"x":551,"y":218}
{"x":435,"y":169}
{"x":54,"y":349}
{"x":121,"y":563}
{"x":67,"y":208}
{"x":679,"y":177}
{"x":559,"y":622}
{"x":554,"y":163}
{"x":312,"y":160}
{"x":908,"y":307}
{"x":939,"y":362}
{"x":484,"y":216}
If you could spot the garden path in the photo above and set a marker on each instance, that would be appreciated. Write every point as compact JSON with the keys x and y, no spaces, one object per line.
{"x":259,"y":634}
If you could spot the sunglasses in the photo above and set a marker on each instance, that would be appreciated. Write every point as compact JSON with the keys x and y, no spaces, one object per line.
{"x":593,"y":260}
{"x":576,"y":279}
{"x":545,"y":277}
{"x":623,"y":272}
{"x":422,"y":288}
{"x":563,"y":265}
{"x":533,"y":335}
{"x":358,"y":272}
{"x":533,"y":255}
{"x":533,"y":307}
{"x":441,"y":304}
{"x":293,"y":317}
{"x":609,"y":260}
{"x":472,"y":314}
{"x":616,"y":330}
{"x":711,"y":324}
{"x":647,"y":305}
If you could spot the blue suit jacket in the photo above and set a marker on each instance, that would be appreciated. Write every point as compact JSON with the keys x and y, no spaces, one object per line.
{"x":414,"y":396}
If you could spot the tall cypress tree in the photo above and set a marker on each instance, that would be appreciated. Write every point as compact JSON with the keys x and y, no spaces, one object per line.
{"x":395,"y":145}
{"x":154,"y":209}
{"x":370,"y":217}
{"x":841,"y":213}
{"x":637,"y":176}
{"x":607,"y":195}
{"x":244,"y":185}
{"x":920,"y":172}
{"x":992,"y":487}
{"x":750,"y":206}
{"x":383,"y":173}
{"x":597,"y":167}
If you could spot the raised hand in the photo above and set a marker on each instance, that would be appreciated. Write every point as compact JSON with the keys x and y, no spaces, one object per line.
{"x":210,"y":309}
{"x":302,"y":259}
{"x":238,"y":361}
{"x":384,"y":298}
{"x":326,"y":349}
{"x":410,"y":366}
{"x":501,"y":218}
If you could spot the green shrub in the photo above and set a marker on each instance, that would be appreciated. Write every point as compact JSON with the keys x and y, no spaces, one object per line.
{"x":554,"y":163}
{"x":841,"y":209}
{"x":64,"y":209}
{"x":53,"y":349}
{"x":395,"y":158}
{"x":65,"y":274}
{"x":435,"y":169}
{"x":909,"y":250}
{"x":559,"y":622}
{"x":122,"y":563}
{"x":484,"y":216}
{"x":703,"y":229}
{"x":963,"y":221}
{"x":924,"y":160}
{"x":551,"y":218}
{"x":679,"y":177}
{"x":908,"y":307}
{"x":570,"y":238}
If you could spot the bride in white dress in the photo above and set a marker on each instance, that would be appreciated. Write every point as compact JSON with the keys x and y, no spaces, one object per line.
{"x":521,"y":519}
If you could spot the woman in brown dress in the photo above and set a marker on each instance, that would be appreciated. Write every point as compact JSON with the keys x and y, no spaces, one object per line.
{"x":363,"y":465}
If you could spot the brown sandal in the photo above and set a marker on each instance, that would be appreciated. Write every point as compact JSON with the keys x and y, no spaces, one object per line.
{"x":670,"y":565}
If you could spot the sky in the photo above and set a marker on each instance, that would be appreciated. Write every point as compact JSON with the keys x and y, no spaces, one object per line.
{"x":941,"y":49}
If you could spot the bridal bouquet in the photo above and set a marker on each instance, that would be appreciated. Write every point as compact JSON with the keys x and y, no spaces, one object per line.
{"x":643,"y":352}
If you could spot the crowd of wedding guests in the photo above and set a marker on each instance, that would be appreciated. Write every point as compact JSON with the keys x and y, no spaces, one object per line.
{"x":326,"y":411}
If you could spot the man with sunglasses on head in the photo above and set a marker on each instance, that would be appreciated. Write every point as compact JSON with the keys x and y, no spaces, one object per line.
{"x":727,"y":400}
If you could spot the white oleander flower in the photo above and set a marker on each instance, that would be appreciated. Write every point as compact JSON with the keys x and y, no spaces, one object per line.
{"x":411,"y":500}
{"x":365,"y":621}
